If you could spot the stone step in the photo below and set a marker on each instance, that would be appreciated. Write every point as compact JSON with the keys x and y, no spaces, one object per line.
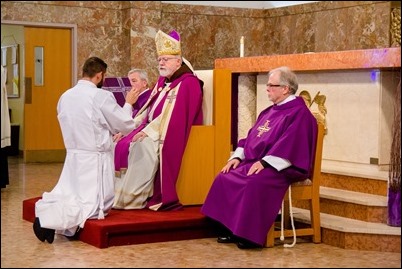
{"x":353,"y":197}
{"x":376,"y":186}
{"x":354,"y":205}
{"x":354,"y":234}
{"x":350,"y":204}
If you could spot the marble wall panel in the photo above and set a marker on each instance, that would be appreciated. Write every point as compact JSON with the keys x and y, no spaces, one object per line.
{"x":143,"y":26}
{"x":99,"y":27}
{"x":122,"y":32}
{"x":247,"y":104}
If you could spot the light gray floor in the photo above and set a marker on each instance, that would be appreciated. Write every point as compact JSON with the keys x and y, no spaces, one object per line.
{"x":20,"y":247}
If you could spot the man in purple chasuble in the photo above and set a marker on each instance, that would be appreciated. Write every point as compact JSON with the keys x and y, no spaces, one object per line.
{"x":246,"y":196}
{"x":139,"y":83}
{"x":164,"y":125}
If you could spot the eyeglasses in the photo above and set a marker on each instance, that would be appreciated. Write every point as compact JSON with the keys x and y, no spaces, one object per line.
{"x":275,"y":85}
{"x":165,"y":59}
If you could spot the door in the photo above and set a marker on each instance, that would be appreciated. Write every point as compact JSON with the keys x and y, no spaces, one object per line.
{"x":48,"y":68}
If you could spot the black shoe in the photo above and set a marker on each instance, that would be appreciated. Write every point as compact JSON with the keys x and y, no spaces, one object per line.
{"x":226,"y":239}
{"x":243,"y":244}
{"x":39,"y":232}
{"x":49,"y":235}
{"x":43,"y":233}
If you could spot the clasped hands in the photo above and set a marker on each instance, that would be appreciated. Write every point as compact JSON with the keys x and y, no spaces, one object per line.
{"x":233,"y":163}
{"x":138,"y":136}
{"x":117,"y":137}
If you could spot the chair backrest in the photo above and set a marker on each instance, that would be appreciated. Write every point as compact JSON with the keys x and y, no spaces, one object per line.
{"x":208,"y":146}
{"x":316,"y":172}
{"x":314,"y":180}
{"x":305,"y":190}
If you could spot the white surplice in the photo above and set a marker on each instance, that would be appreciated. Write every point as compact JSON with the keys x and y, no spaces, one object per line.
{"x":133,"y":188}
{"x":88,"y":118}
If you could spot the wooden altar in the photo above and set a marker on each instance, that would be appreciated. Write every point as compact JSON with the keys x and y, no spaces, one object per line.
{"x":359,"y":85}
{"x":384,"y":59}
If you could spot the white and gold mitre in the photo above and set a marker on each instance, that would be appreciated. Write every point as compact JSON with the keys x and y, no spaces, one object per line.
{"x":168,"y":44}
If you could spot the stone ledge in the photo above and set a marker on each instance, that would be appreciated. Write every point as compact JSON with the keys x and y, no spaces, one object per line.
{"x":347,"y":225}
{"x":353,"y":197}
{"x":355,"y":170}
{"x":384,"y":58}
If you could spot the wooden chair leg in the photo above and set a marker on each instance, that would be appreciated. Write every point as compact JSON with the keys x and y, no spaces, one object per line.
{"x":270,"y":237}
{"x":315,"y":220}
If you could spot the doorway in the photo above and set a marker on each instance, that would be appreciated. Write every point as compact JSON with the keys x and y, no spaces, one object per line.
{"x":49,"y":61}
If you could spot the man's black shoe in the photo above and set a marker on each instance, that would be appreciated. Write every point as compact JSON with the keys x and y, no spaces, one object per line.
{"x":226,"y":239}
{"x":243,"y":244}
{"x":49,"y":235}
{"x":43,"y":233}
{"x":39,"y":232}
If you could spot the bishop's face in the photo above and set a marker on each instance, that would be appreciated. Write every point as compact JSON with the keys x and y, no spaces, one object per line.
{"x":168,"y":64}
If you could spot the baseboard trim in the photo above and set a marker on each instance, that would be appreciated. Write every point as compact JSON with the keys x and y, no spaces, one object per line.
{"x":44,"y":156}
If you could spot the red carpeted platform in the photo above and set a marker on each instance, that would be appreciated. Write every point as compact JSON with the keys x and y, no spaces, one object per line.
{"x":126,"y":227}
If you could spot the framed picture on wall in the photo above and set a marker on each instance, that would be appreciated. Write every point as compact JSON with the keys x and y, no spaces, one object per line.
{"x":10,"y":62}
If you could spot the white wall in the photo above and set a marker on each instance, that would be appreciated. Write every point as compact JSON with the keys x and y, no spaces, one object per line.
{"x":358,"y":121}
{"x":207,"y":76}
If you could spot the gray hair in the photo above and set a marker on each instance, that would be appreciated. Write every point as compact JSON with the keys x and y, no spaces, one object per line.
{"x":287,"y":77}
{"x":143,"y":74}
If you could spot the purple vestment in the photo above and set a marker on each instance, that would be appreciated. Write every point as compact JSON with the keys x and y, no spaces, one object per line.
{"x":122,"y":146}
{"x":248,"y":205}
{"x":187,"y":111}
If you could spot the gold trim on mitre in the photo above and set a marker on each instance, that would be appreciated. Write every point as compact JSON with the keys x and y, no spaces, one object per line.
{"x":166,"y":45}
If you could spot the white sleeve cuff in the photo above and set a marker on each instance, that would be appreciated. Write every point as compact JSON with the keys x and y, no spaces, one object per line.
{"x":239,"y":153}
{"x":276,"y":162}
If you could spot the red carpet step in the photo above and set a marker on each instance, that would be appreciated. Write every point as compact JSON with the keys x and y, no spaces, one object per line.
{"x":126,"y":227}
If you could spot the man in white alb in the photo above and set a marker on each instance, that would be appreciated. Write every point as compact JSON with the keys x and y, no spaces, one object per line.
{"x":89,"y":117}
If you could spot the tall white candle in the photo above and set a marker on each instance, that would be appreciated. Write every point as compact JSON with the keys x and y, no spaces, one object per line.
{"x":242,"y":46}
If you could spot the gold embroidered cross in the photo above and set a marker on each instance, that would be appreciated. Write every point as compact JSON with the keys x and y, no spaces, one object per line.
{"x":263,"y":128}
{"x":171,"y":96}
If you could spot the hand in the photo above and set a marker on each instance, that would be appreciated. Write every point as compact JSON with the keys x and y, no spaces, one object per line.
{"x":255,"y":168}
{"x":233,"y":163}
{"x":117,"y":137}
{"x":139,"y":136}
{"x":132,"y":96}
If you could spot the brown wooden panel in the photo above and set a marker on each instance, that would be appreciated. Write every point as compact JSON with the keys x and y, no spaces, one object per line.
{"x":222,"y":116}
{"x":383,"y":58}
{"x":197,"y":169}
{"x":208,"y":148}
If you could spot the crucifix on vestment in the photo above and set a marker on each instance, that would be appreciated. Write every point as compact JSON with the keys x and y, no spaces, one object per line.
{"x":172,"y":95}
{"x":263,"y":128}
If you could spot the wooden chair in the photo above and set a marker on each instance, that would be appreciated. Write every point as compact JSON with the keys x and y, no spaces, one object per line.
{"x":208,"y":146}
{"x":308,"y":190}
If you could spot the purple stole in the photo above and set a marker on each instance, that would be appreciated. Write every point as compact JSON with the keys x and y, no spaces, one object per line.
{"x":121,"y":148}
